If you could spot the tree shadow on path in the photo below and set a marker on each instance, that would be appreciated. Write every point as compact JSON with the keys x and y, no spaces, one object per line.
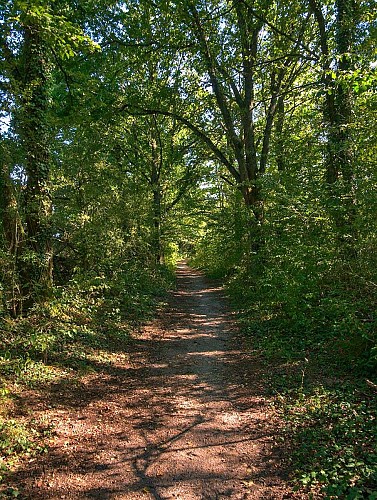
{"x":186,"y":419}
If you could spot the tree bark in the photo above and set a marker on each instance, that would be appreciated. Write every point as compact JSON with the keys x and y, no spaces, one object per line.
{"x":35,"y":263}
{"x":280,"y":153}
{"x":10,"y":218}
{"x":12,"y":238}
{"x":156,"y":189}
{"x":345,"y":37}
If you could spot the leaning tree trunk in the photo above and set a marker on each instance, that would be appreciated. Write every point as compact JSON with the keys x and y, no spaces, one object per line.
{"x":35,"y":263}
{"x":158,"y":254}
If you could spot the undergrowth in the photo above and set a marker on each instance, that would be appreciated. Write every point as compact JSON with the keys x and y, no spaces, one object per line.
{"x":323,"y":383}
{"x":88,"y":324}
{"x":334,"y":446}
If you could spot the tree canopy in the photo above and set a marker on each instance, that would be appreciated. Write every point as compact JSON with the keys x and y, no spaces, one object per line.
{"x":240,"y":134}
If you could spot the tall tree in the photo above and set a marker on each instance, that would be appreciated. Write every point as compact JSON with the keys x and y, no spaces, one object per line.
{"x":232,"y":98}
{"x":33,"y":38}
{"x":337,"y":64}
{"x":32,"y":127}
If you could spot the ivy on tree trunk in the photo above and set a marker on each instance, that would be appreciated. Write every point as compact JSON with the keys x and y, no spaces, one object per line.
{"x":35,"y":263}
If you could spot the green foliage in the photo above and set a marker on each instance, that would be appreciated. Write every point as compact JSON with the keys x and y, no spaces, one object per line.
{"x":95,"y":312}
{"x":334,"y":440}
{"x":64,"y":37}
{"x":155,"y":117}
{"x":14,"y":438}
{"x":171,"y":256}
{"x":18,"y":440}
{"x":220,"y":247}
{"x":86,"y":326}
{"x":309,"y":309}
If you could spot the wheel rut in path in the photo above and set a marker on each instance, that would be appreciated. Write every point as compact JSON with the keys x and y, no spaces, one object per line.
{"x":185,"y":419}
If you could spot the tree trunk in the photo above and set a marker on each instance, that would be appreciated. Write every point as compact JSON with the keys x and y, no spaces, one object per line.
{"x":340,"y":134}
{"x":156,"y":188}
{"x":35,"y":264}
{"x":9,"y":214}
{"x":157,"y":225}
{"x":279,"y":129}
{"x":12,"y":238}
{"x":338,"y":120}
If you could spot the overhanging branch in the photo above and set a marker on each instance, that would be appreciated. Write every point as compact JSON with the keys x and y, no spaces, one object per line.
{"x":139,"y":111}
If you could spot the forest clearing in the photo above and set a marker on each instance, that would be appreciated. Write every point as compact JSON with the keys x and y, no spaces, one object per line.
{"x":188,"y":251}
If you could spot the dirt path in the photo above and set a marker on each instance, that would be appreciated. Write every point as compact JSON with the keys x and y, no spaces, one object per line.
{"x":186,"y":419}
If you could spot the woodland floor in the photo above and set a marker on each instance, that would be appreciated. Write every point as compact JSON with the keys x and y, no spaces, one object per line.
{"x":185,"y":416}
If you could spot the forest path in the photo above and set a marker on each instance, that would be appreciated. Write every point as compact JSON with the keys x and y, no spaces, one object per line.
{"x":185,"y":419}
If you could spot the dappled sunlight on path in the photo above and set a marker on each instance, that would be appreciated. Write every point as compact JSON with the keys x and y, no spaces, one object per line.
{"x":185,"y":419}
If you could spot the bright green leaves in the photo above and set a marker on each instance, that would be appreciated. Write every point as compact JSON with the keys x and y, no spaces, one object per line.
{"x":360,"y":77}
{"x":63,"y":37}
